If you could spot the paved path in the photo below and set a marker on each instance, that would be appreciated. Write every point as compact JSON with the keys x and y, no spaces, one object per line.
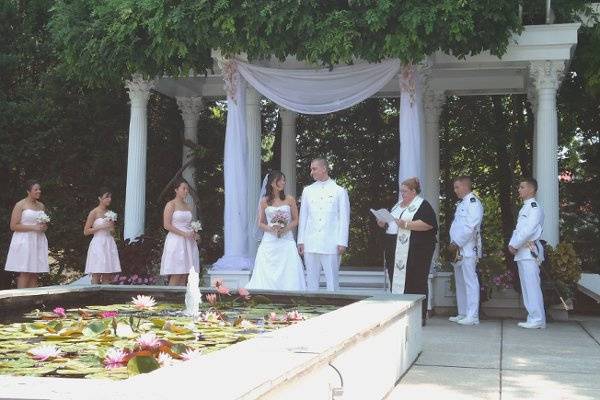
{"x":500,"y":361}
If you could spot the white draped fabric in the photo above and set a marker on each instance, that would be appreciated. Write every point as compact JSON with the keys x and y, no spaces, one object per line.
{"x":319,"y":91}
{"x":307,"y":91}
{"x":411,"y":128}
{"x":236,"y":181}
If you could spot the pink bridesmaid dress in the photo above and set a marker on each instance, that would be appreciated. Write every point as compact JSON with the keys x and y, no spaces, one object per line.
{"x":180,"y":254}
{"x":28,"y":251}
{"x":102,"y":255}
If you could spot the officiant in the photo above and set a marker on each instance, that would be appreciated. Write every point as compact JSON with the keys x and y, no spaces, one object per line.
{"x":389,"y":241}
{"x":415,"y":241}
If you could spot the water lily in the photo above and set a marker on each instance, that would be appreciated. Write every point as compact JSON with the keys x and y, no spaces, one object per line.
{"x":221,"y":288}
{"x":190,"y":354}
{"x":148,"y":341}
{"x":273,"y":317}
{"x":244,"y":293}
{"x":210,"y":316}
{"x":165,"y":359}
{"x":109,"y":314}
{"x":211,"y":298}
{"x":43,"y":353}
{"x":59,"y":312}
{"x":245,"y":324}
{"x":294,"y":316}
{"x":142,"y":302}
{"x":114,"y":358}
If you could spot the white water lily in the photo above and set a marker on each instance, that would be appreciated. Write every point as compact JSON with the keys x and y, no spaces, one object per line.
{"x":43,"y":353}
{"x":165,"y":359}
{"x":148,"y":341}
{"x":190,"y":354}
{"x":124,"y":331}
{"x":114,"y":358}
{"x":142,"y":302}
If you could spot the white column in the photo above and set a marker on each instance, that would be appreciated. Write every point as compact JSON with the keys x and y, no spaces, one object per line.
{"x":433,"y":102}
{"x":546,"y":76}
{"x":532,"y":98}
{"x":135,"y":193}
{"x":288,"y":149}
{"x":190,"y":108}
{"x":253,"y":136}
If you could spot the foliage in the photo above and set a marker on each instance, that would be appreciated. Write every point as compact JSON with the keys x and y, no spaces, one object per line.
{"x":100,"y":42}
{"x":565,"y":268}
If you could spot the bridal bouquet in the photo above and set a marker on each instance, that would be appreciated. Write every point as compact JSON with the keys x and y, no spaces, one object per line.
{"x":111,"y":216}
{"x":280,"y":219}
{"x":43,"y":218}
{"x":196,"y":226}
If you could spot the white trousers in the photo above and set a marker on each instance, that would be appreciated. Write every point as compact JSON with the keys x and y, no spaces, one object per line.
{"x":529,"y":274}
{"x":467,"y":287}
{"x":331,"y":266}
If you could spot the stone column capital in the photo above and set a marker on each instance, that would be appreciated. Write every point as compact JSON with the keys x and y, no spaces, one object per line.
{"x":190,"y":108}
{"x":546,"y":74}
{"x":139,"y":89}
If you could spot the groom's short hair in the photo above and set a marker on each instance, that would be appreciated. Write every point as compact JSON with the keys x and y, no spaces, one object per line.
{"x":323,"y":162}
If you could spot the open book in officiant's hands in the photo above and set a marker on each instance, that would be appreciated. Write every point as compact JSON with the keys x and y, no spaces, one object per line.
{"x":383,"y":215}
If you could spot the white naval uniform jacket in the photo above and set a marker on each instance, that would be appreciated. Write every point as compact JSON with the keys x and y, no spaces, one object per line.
{"x":324,"y":218}
{"x":529,"y":229}
{"x":465,"y":230}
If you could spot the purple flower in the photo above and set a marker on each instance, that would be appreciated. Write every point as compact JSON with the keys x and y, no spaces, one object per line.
{"x":59,"y":312}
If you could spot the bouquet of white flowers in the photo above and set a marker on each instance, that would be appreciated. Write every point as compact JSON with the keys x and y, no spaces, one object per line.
{"x":43,"y":218}
{"x":111,"y":216}
{"x":196,"y":226}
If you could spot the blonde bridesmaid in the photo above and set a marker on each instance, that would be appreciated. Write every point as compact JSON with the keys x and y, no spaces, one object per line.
{"x":102,"y":256}
{"x":180,"y":252}
{"x":28,"y":251}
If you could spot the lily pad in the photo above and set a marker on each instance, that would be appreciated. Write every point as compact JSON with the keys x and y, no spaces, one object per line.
{"x":141,"y":365}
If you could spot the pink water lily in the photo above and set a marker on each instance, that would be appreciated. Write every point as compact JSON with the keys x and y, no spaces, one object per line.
{"x":293,"y":316}
{"x":273,"y":317}
{"x":114,"y":358}
{"x":43,"y":353}
{"x":190,"y":354}
{"x":148,"y":341}
{"x":221,"y":288}
{"x":109,"y":314}
{"x":142,"y":302}
{"x":244,"y":293}
{"x":211,"y":298}
{"x":59,"y":312}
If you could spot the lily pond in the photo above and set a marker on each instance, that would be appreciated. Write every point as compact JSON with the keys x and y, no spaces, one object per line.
{"x":117,"y":341}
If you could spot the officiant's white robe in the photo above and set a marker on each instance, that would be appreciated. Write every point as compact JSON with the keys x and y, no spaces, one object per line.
{"x":324,"y":224}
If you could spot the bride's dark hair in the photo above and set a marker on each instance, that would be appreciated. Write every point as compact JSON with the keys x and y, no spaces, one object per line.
{"x":274,"y":176}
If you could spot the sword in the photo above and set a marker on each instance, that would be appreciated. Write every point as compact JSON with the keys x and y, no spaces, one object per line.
{"x":534,"y":253}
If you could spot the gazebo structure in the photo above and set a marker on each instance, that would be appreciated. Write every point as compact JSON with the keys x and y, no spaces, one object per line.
{"x":533,"y":64}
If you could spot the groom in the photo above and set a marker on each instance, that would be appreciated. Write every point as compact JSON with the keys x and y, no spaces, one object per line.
{"x":323,"y":228}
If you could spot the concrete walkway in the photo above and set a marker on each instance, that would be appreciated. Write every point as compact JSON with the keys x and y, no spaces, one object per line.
{"x":500,"y":361}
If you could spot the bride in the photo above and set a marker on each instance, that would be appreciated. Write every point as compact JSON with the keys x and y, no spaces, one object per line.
{"x":278,"y":265}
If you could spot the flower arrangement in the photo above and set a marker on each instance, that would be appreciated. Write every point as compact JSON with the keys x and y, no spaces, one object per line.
{"x":43,"y":218}
{"x":280,"y":219}
{"x":196,"y":226}
{"x":134,"y":280}
{"x":111,"y":216}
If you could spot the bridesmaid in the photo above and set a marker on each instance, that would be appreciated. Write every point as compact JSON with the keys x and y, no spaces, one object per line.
{"x":28,"y":251}
{"x":102,"y":256}
{"x":180,"y":252}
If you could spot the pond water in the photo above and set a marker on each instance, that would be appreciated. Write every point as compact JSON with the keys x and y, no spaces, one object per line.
{"x":116,"y":341}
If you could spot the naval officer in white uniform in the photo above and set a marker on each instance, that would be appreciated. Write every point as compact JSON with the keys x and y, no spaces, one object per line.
{"x":529,"y":253}
{"x":465,"y":242}
{"x":323,"y":227}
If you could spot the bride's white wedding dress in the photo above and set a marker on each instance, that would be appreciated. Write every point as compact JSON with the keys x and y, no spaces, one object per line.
{"x":278,"y":265}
